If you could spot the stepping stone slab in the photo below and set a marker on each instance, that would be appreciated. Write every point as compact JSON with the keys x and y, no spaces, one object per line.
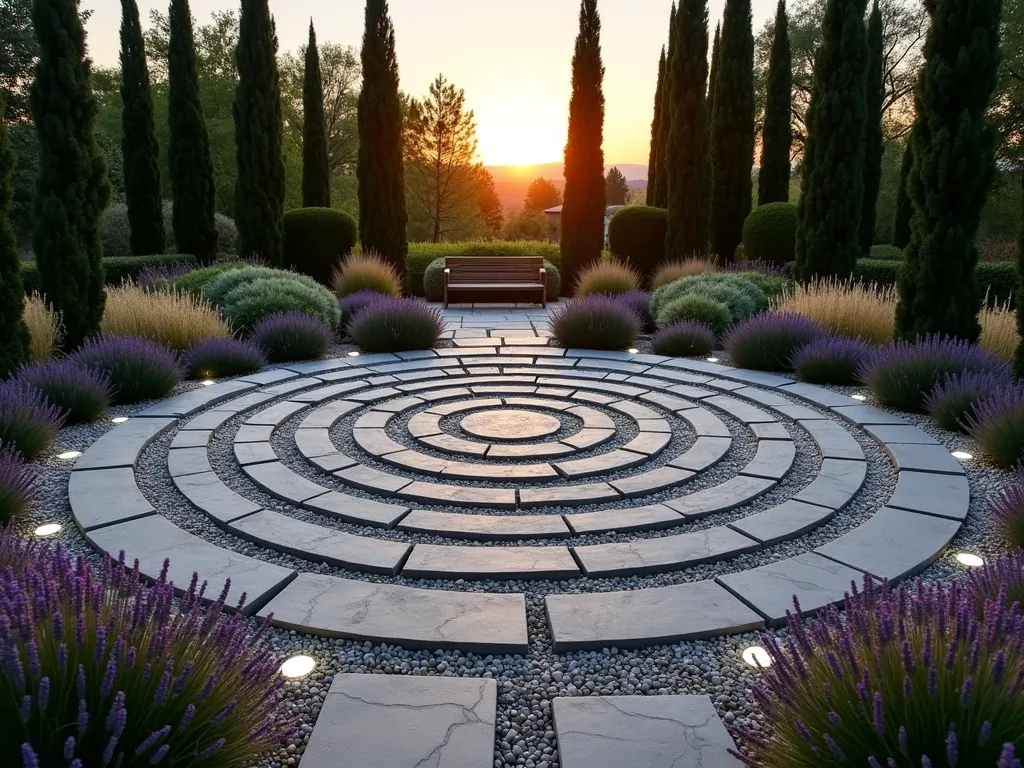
{"x":122,"y":445}
{"x":397,"y":721}
{"x":588,"y":438}
{"x":815,"y":580}
{"x":893,"y":544}
{"x":431,"y":561}
{"x":650,"y":482}
{"x":510,"y":424}
{"x":106,"y":496}
{"x":620,"y":520}
{"x":321,"y":544}
{"x":666,"y":553}
{"x":897,"y":434}
{"x":254,"y":453}
{"x":276,"y":414}
{"x":740,"y":410}
{"x":644,"y":617}
{"x":373,"y":420}
{"x":773,"y":460}
{"x":413,"y":618}
{"x":720,"y":498}
{"x":200,"y":438}
{"x":188,"y":461}
{"x":371,"y":479}
{"x":499,"y":472}
{"x":537,"y":450}
{"x":786,"y":521}
{"x":837,"y":483}
{"x":376,"y":442}
{"x":863,"y":415}
{"x":942,"y":495}
{"x":770,"y":431}
{"x":313,"y":443}
{"x":245,"y":434}
{"x":704,"y":453}
{"x":459,"y":495}
{"x":484,"y":527}
{"x":647,"y":731}
{"x":281,"y":481}
{"x":833,"y":441}
{"x":567,"y":495}
{"x":648,"y":443}
{"x":923,"y":458}
{"x":188,"y":403}
{"x":353,"y":509}
{"x":600,"y":464}
{"x":705,"y":423}
{"x":326,"y":416}
{"x":154,"y":539}
{"x":818,"y":395}
{"x":452,"y":444}
{"x":268,"y":377}
{"x":209,"y":494}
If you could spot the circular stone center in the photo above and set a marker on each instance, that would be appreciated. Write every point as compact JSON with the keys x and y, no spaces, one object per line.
{"x":510,"y":425}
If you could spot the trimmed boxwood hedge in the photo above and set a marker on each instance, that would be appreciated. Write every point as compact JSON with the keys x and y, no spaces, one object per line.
{"x":422,"y":254}
{"x":998,"y":278}
{"x":637,"y":235}
{"x":116,"y":268}
{"x":886,"y":252}
{"x":769,"y":233}
{"x":433,"y":280}
{"x":316,"y":240}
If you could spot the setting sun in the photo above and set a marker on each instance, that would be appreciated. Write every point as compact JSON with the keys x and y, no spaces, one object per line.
{"x":519,"y":135}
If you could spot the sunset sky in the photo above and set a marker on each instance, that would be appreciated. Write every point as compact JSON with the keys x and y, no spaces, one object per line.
{"x":512,"y":58}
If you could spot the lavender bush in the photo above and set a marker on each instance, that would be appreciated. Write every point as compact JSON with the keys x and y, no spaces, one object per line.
{"x":289,"y":336}
{"x":768,"y":342}
{"x":28,"y":424}
{"x":138,"y":369}
{"x":353,"y":304}
{"x":687,"y":338}
{"x":640,"y":303}
{"x":912,"y":677}
{"x":998,"y":425}
{"x":1007,"y":509}
{"x":161,"y":277}
{"x":99,"y":669}
{"x":830,"y":360}
{"x":596,"y":322}
{"x":215,"y":358}
{"x":396,"y":325}
{"x":81,"y":393}
{"x":1001,"y":579}
{"x":18,"y":485}
{"x":952,"y":399}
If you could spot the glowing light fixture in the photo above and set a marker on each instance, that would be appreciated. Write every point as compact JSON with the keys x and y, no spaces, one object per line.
{"x":963,"y":455}
{"x":208,"y":382}
{"x":969,"y":559}
{"x":756,"y":656}
{"x":298,"y":666}
{"x":859,"y":397}
{"x":353,"y":354}
{"x":48,"y":530}
{"x":119,"y":420}
{"x":632,"y":350}
{"x":68,"y":455}
{"x":712,"y":359}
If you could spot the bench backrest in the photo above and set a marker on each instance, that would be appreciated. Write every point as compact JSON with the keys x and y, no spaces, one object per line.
{"x":494,"y":269}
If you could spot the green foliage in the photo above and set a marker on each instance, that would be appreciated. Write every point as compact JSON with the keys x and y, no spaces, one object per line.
{"x":654,"y":169}
{"x":188,"y":149}
{"x":637,"y":236}
{"x":365,"y":272}
{"x":954,"y":163}
{"x":904,"y":210}
{"x":382,"y":208}
{"x":14,"y":338}
{"x":316,"y":164}
{"x":541,"y":195}
{"x":769,"y":233}
{"x":433,"y":280}
{"x":832,"y":191}
{"x":660,"y":199}
{"x":886,"y":253}
{"x":732,"y":130}
{"x":716,"y":55}
{"x":771,"y":286}
{"x":996,"y":280}
{"x":1018,"y":362}
{"x":741,"y":296}
{"x":777,"y":133}
{"x":116,"y":270}
{"x":72,"y":188}
{"x":616,"y":188}
{"x":116,"y":233}
{"x":251,"y":301}
{"x":688,"y":150}
{"x":421,"y":255}
{"x":195,"y":282}
{"x":698,"y":307}
{"x":139,"y":149}
{"x":873,"y":145}
{"x":316,"y":240}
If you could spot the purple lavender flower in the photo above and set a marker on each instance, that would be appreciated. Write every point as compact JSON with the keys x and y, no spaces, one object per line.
{"x":69,"y":748}
{"x":769,"y":341}
{"x":19,"y":486}
{"x":138,"y":369}
{"x":43,"y":694}
{"x":289,"y":336}
{"x":161,"y":277}
{"x":640,"y":303}
{"x":28,"y":757}
{"x":211,"y":750}
{"x":108,"y":751}
{"x":830,"y":360}
{"x":686,"y":338}
{"x":159,"y":754}
{"x":82,"y":394}
{"x":217,"y":358}
{"x":596,"y":322}
{"x":396,"y":325}
{"x":354,"y":303}
{"x":28,"y":424}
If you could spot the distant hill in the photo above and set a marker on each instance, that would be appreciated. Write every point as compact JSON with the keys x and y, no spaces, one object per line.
{"x":512,"y":181}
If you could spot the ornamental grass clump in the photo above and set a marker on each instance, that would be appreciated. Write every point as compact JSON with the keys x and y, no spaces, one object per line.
{"x":769,"y":341}
{"x":911,"y":677}
{"x":952,"y":399}
{"x":82,"y":394}
{"x":854,"y":310}
{"x":45,"y":329}
{"x":671,"y":271}
{"x":611,"y":279}
{"x":100,"y":669}
{"x":902,"y":374}
{"x":138,"y":369}
{"x":19,"y":485}
{"x":28,"y":424}
{"x":396,"y":325}
{"x":352,"y":305}
{"x":1003,"y":574}
{"x":596,"y":322}
{"x":290,"y":336}
{"x":640,"y":303}
{"x":999,"y":330}
{"x":686,"y":338}
{"x":830,"y":360}
{"x":365,"y":272}
{"x":216,"y":358}
{"x":179,"y":320}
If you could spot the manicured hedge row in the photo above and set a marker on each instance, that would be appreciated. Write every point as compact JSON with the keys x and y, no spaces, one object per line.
{"x":117,"y":268}
{"x":637,"y":235}
{"x":999,"y":279}
{"x":422,"y":254}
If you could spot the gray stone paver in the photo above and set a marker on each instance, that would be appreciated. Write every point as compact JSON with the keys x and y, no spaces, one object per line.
{"x":923,"y":458}
{"x":589,"y":438}
{"x":376,"y":442}
{"x":245,"y":434}
{"x":651,"y":481}
{"x":459,"y":495}
{"x":314,"y":442}
{"x":832,"y":439}
{"x":740,"y":410}
{"x":531,"y":451}
{"x":773,"y":459}
{"x":373,"y":420}
{"x":705,"y":423}
{"x":785,"y":521}
{"x":208,"y":493}
{"x":196,"y":400}
{"x":188,"y":461}
{"x":353,"y":509}
{"x":188,"y":438}
{"x":372,"y":479}
{"x":567,"y":495}
{"x":664,"y":553}
{"x":611,"y":461}
{"x":771,"y":430}
{"x":510,"y":424}
{"x":942,"y":495}
{"x":283,"y":482}
{"x":106,"y":496}
{"x":704,"y":453}
{"x":484,"y":527}
{"x":500,"y":472}
{"x":327,"y":415}
{"x":432,"y":561}
{"x":452,"y":444}
{"x":121,"y":446}
{"x":650,"y":517}
{"x":885,"y":433}
{"x":648,"y":443}
{"x":837,"y":483}
{"x":276,"y":414}
{"x":254,"y":453}
{"x":720,"y":498}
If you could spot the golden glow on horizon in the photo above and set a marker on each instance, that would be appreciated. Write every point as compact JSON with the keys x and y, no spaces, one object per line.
{"x":519,"y":134}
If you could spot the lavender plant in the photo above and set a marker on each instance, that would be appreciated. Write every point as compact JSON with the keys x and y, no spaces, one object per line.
{"x":18,"y":485}
{"x":640,"y":303}
{"x":289,"y":336}
{"x":162,"y":277}
{"x":830,"y":360}
{"x":596,"y":322}
{"x":138,"y":369}
{"x":998,"y":425}
{"x":1007,"y":509}
{"x":214,"y":358}
{"x":999,"y":579}
{"x":82,"y":394}
{"x":353,"y":304}
{"x":952,"y":399}
{"x":396,"y":325}
{"x":686,"y":338}
{"x":768,"y":342}
{"x":28,"y":424}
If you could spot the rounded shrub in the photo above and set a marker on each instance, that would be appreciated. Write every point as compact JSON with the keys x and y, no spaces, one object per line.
{"x":316,"y":239}
{"x":722,"y":286}
{"x":769,"y":233}
{"x":686,"y":338}
{"x":28,"y":424}
{"x":740,"y":302}
{"x":396,"y":325}
{"x":596,"y":322}
{"x":953,"y":398}
{"x":352,"y":305}
{"x":251,"y":301}
{"x":113,"y":668}
{"x":82,"y":394}
{"x":19,"y":485}
{"x":640,"y":303}
{"x":998,"y":425}
{"x":886,"y":253}
{"x":698,"y":308}
{"x":671,"y":271}
{"x":830,"y":360}
{"x":912,"y":677}
{"x":1007,"y":509}
{"x":179,"y":320}
{"x":116,"y":231}
{"x":770,"y":285}
{"x":637,"y":235}
{"x":365,"y":272}
{"x":216,"y":290}
{"x":138,"y":369}
{"x":195,"y":281}
{"x":217,"y":358}
{"x":433,"y":280}
{"x":770,"y":341}
{"x":606,"y":279}
{"x":290,"y":336}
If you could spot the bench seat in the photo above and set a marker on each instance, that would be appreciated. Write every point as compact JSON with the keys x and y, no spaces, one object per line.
{"x":494,"y":277}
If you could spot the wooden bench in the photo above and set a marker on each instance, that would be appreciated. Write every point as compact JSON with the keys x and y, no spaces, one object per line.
{"x":493,"y":278}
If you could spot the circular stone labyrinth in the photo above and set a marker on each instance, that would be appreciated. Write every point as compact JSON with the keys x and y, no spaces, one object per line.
{"x":510,"y":424}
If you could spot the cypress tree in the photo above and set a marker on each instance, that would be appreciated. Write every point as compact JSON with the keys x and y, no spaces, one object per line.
{"x":732,"y":130}
{"x":380,"y":172}
{"x":688,"y":155}
{"x":138,"y":141}
{"x":873,"y":145}
{"x":713,"y":73}
{"x":1019,"y":362}
{"x":316,"y":166}
{"x":72,"y":188}
{"x":583,"y":208}
{"x":832,"y":193}
{"x":259,"y":185}
{"x":14,"y":339}
{"x":954,"y":163}
{"x":188,"y":148}
{"x":653,"y":167}
{"x":904,"y":210}
{"x":777,"y":134}
{"x":661,"y":190}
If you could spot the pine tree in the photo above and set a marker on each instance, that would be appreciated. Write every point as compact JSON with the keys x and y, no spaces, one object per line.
{"x":72,"y":188}
{"x":688,"y":150}
{"x":713,"y":72}
{"x":777,"y":134}
{"x":381,"y":175}
{"x":188,"y":149}
{"x":653,"y":165}
{"x":138,"y":143}
{"x":873,"y":145}
{"x":732,"y":130}
{"x":661,"y":189}
{"x":616,"y":187}
{"x":954,"y":163}
{"x":832,"y":192}
{"x":904,"y":210}
{"x":259,"y":185}
{"x":1019,"y":362}
{"x":582,"y":224}
{"x":316,"y":166}
{"x":14,"y":339}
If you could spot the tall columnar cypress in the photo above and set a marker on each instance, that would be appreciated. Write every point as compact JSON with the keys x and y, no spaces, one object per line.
{"x":713,"y":73}
{"x":732,"y":130}
{"x":873,"y":146}
{"x":259,"y":130}
{"x":583,"y":208}
{"x":904,"y":210}
{"x":688,"y":154}
{"x":777,"y":134}
{"x":316,"y":165}
{"x":381,"y":175}
{"x":72,"y":188}
{"x":1019,"y":362}
{"x":188,"y":148}
{"x":138,"y":140}
{"x":661,"y":189}
{"x":832,"y":195}
{"x":653,"y":166}
{"x":954,"y":163}
{"x":14,"y":339}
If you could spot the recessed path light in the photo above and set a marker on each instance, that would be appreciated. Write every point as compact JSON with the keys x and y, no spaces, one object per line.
{"x":298,"y":666}
{"x":208,"y":382}
{"x":859,"y":397}
{"x":48,"y":530}
{"x":119,"y":420}
{"x":712,"y":359}
{"x":756,"y":656}
{"x":632,"y":350}
{"x":353,"y":354}
{"x":963,"y":455}
{"x":969,"y":559}
{"x":68,"y":455}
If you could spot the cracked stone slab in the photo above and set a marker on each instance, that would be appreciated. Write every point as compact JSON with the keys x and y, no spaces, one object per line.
{"x":833,"y":441}
{"x":281,"y":481}
{"x":459,"y":495}
{"x":209,"y":494}
{"x":122,"y":446}
{"x":329,"y":606}
{"x":567,"y":495}
{"x":432,"y":561}
{"x":353,"y":509}
{"x":703,"y":454}
{"x":644,"y":617}
{"x":720,"y":498}
{"x":923,"y":458}
{"x":484,"y":527}
{"x":665,"y":553}
{"x":393,"y":721}
{"x":647,"y":731}
{"x":786,"y":521}
{"x":942,"y":495}
{"x":773,"y":460}
{"x":837,"y":483}
{"x":646,"y":518}
{"x":195,"y":400}
{"x":106,"y":496}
